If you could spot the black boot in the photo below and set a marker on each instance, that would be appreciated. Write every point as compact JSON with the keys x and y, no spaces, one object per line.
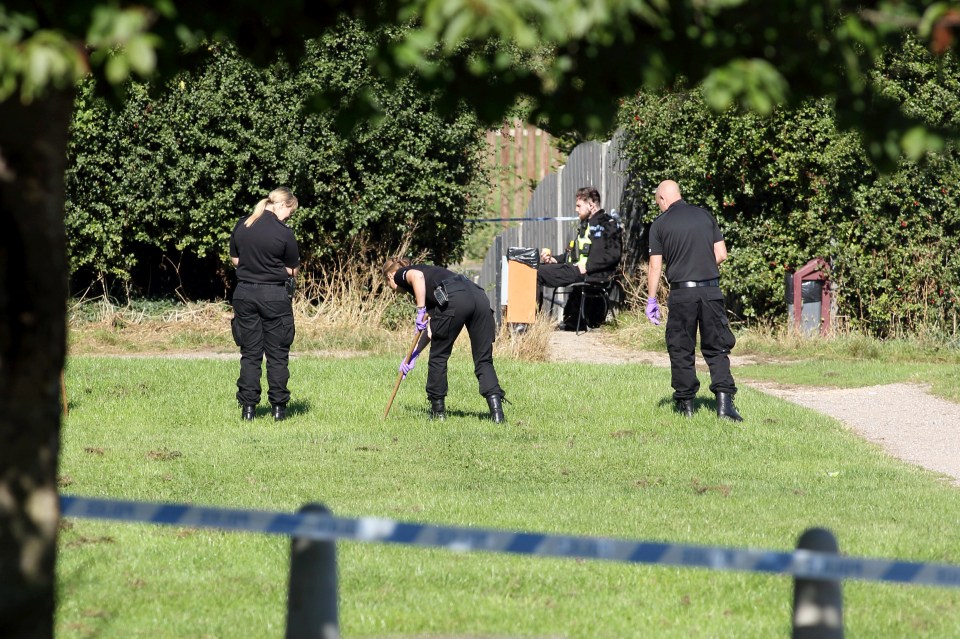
{"x":279,"y":412}
{"x":248,"y":412}
{"x":437,"y":410}
{"x":495,"y":402}
{"x":726,"y":409}
{"x":684,"y":406}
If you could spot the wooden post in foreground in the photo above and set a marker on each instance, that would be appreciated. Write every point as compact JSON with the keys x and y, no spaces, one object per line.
{"x":817,"y":603}
{"x":312,"y":598}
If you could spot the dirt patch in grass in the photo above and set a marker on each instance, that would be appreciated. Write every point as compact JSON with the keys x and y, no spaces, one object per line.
{"x":90,"y":541}
{"x":164,"y":455}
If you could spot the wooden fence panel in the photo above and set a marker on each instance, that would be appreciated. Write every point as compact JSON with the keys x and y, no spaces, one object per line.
{"x":590,"y":164}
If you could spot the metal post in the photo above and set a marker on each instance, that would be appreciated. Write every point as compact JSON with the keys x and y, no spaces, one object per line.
{"x":604,"y":150}
{"x":817,"y":603}
{"x":498,"y":280}
{"x":561,"y":245}
{"x":560,"y":188}
{"x":312,"y":599}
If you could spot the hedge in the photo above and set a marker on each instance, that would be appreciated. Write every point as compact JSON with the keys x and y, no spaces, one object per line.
{"x":794,"y":186}
{"x":155,"y":186}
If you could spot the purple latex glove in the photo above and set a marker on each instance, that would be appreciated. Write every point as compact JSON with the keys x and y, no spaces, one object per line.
{"x":406,"y":367}
{"x":422,"y":319}
{"x":653,"y":311}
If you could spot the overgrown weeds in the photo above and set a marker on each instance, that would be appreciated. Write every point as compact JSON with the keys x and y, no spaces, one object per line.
{"x":344,"y":306}
{"x":347,"y":307}
{"x":102,"y":325}
{"x":525,"y":342}
{"x":844,"y":343}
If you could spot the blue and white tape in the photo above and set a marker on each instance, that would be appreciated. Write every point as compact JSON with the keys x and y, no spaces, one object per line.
{"x":799,"y":563}
{"x":475,"y":220}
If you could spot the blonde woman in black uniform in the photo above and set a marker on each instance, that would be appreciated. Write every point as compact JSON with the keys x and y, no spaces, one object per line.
{"x":465,"y":304}
{"x":265,"y":253}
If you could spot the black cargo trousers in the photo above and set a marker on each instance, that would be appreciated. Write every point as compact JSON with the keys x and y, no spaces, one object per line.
{"x":263,"y":325}
{"x":702,"y":309}
{"x":468,"y":306}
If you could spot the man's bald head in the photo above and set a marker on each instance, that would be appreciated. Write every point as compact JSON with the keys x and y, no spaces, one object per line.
{"x":668,"y":192}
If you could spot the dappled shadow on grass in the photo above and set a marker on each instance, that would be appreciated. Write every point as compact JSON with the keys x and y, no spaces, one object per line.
{"x":298,"y":407}
{"x":419,"y":412}
{"x":295,"y":408}
{"x":484,"y":415}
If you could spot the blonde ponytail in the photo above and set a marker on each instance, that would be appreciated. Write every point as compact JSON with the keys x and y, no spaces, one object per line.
{"x":257,"y":212}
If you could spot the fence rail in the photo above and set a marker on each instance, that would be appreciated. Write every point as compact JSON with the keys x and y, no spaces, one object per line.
{"x":817,"y":573}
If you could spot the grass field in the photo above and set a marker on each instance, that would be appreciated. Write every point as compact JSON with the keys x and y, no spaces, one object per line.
{"x":589,"y":450}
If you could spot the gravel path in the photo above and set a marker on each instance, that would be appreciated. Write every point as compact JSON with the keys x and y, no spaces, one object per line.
{"x":903,"y":419}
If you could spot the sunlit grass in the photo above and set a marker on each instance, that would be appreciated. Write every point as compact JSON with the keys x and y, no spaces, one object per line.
{"x":590,"y":449}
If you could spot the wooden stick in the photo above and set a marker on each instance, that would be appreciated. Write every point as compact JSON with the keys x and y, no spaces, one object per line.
{"x":396,"y":387}
{"x":63,"y":394}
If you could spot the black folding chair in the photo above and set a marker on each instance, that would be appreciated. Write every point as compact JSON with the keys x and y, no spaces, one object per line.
{"x":607,"y":295}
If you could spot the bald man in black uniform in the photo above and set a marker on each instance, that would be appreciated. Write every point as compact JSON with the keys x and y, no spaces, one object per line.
{"x":689,"y":240}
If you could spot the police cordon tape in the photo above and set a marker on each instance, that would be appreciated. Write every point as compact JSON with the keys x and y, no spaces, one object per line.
{"x":521,"y":219}
{"x":799,"y":563}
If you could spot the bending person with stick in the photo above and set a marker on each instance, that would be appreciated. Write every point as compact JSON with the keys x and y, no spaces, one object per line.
{"x":453,"y":302}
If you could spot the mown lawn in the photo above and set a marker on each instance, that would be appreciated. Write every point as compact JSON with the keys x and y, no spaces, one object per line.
{"x":589,"y":450}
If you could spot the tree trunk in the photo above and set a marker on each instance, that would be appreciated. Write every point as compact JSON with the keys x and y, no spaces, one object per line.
{"x":33,"y":296}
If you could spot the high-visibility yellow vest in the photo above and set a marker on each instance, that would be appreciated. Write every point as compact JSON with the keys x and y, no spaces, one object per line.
{"x":583,"y":245}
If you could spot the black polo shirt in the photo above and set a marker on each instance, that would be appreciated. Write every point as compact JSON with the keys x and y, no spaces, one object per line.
{"x":684,"y":235}
{"x":432,"y":277}
{"x":266,"y":249}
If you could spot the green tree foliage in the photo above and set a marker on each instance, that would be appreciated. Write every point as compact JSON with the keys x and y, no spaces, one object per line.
{"x":756,"y":55}
{"x":571,"y":58}
{"x":792,"y":187}
{"x":166,"y":177}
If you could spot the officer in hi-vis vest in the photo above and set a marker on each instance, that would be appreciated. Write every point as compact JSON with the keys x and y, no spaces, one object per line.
{"x":592,"y":257}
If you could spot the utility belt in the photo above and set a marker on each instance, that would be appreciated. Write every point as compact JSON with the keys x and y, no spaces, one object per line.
{"x":696,"y":284}
{"x":450,"y":285}
{"x":248,"y":283}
